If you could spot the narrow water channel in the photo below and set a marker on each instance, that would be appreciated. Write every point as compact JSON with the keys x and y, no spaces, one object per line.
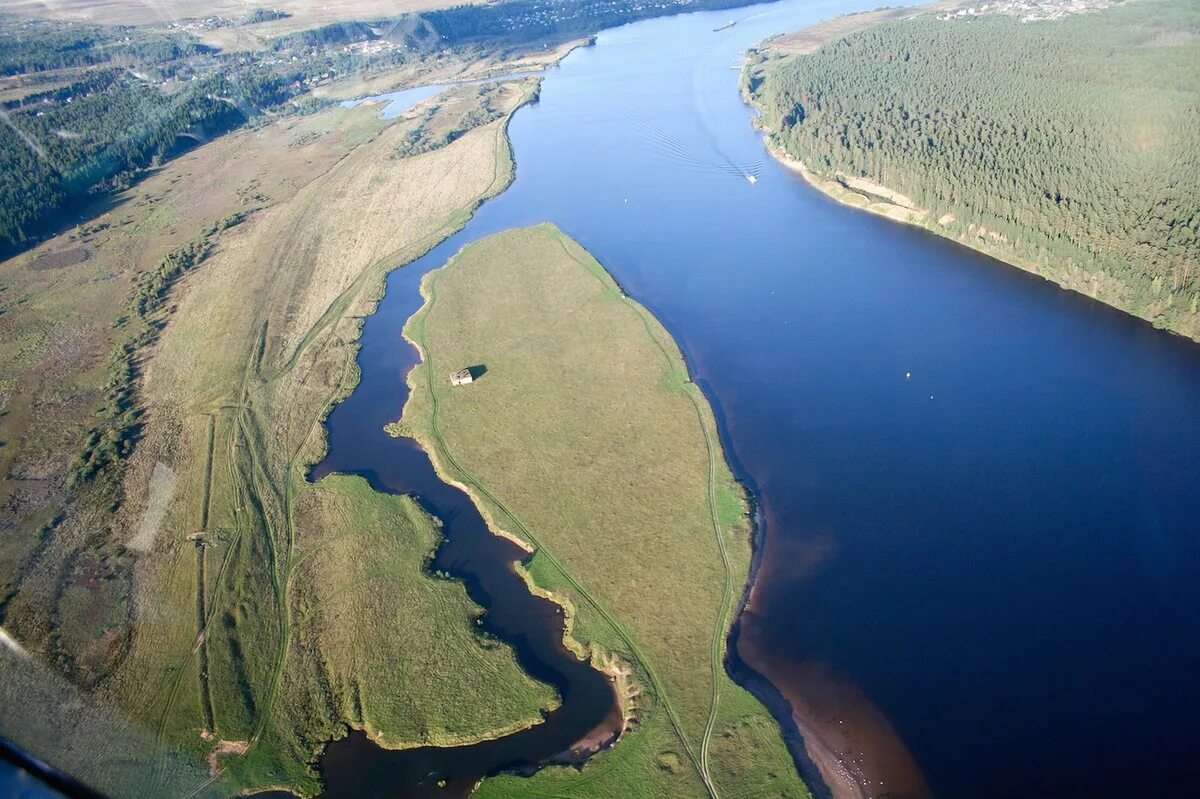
{"x":356,"y":767}
{"x":980,"y":572}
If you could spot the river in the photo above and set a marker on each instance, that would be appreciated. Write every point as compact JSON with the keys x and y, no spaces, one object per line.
{"x":980,"y":570}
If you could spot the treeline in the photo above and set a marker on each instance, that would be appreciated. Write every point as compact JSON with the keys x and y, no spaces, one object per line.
{"x":528,"y":20}
{"x":1073,"y":145}
{"x":57,"y":155}
{"x":333,"y":34}
{"x":258,"y":15}
{"x":133,"y":98}
{"x":36,"y":46}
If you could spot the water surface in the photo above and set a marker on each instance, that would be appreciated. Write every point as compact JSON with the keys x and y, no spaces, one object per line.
{"x":981,"y":570}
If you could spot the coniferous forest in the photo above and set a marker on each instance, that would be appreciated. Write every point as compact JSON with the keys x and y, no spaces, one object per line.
{"x":1071,"y":147}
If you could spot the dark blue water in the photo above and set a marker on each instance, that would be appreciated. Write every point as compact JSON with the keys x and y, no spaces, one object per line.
{"x":986,"y":573}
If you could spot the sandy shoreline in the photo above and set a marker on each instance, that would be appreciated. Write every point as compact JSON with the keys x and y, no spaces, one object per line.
{"x":842,"y":745}
{"x":849,"y":748}
{"x":909,"y":215}
{"x":843,"y":780}
{"x":980,"y":239}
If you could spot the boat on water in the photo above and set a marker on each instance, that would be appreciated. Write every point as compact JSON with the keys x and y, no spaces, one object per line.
{"x":726,"y":26}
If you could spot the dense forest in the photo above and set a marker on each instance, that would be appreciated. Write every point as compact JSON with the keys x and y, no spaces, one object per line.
{"x":1071,"y":146}
{"x":33,"y":46}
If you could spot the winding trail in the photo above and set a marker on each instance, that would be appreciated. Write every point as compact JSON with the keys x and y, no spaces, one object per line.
{"x":720,"y":630}
{"x":248,"y":459}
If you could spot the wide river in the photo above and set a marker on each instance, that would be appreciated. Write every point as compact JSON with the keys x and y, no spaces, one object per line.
{"x":980,"y":574}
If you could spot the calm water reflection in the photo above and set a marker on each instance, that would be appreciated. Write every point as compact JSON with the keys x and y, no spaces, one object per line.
{"x":987,"y":575}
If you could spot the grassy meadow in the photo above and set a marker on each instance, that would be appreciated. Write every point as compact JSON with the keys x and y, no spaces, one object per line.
{"x":248,"y":615}
{"x":64,"y":307}
{"x":586,"y":439}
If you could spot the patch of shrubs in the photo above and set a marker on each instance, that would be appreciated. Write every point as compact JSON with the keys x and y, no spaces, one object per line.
{"x":111,"y":440}
{"x":421,"y":140}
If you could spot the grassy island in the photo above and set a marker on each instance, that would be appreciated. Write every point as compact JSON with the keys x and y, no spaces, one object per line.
{"x":1065,"y":145}
{"x":584,"y":437}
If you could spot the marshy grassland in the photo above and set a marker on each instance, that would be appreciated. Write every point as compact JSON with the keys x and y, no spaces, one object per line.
{"x":236,"y":615}
{"x":586,"y":439}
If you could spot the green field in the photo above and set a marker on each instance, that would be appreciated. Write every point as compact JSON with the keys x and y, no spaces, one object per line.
{"x":1067,"y":147}
{"x":586,"y":439}
{"x":231,"y":616}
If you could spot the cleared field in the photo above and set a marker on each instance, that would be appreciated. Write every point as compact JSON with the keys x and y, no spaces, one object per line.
{"x":255,"y":615}
{"x":585,"y":438}
{"x":304,"y":13}
{"x":59,"y":304}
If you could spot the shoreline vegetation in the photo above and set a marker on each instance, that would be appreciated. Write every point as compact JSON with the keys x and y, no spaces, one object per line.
{"x":493,"y":696}
{"x":585,"y":440}
{"x":800,"y":89}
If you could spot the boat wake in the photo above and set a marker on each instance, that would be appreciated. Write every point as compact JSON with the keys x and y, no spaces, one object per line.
{"x":663,"y":144}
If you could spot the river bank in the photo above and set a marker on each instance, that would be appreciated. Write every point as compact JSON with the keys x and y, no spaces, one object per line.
{"x":982,"y":240}
{"x":1022,"y":220}
{"x":863,"y":195}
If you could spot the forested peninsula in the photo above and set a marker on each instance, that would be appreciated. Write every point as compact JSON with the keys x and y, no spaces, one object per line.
{"x":1069,"y":146}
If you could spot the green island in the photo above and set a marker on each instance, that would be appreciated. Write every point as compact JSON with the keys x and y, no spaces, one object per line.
{"x":1065,"y":146}
{"x":585,"y":439}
